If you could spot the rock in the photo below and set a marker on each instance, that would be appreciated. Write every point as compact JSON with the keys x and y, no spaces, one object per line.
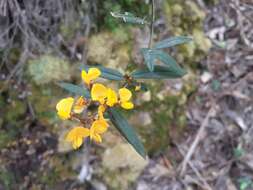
{"x":141,"y":119}
{"x":122,"y":165}
{"x":206,"y":77}
{"x":146,"y":96}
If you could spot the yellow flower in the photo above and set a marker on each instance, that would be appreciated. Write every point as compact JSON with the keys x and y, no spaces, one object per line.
{"x":64,"y":107}
{"x":76,"y":136}
{"x":79,"y":105}
{"x":125,"y":96}
{"x":98,"y":127}
{"x":112,"y":97}
{"x":93,"y":73}
{"x":101,"y":110}
{"x":138,"y":87}
{"x":99,"y":93}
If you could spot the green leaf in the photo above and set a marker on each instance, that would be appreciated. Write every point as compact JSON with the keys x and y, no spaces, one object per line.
{"x":107,"y":73}
{"x":151,"y":55}
{"x":129,"y":18}
{"x":244,"y":183}
{"x":149,"y":58}
{"x":160,"y":72}
{"x":78,"y":90}
{"x":126,"y":130}
{"x":173,"y":41}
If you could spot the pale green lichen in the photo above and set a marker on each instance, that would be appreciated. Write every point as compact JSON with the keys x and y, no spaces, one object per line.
{"x":48,"y":68}
{"x":186,"y":18}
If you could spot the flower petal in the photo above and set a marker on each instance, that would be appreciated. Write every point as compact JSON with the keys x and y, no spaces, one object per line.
{"x":112,"y":97}
{"x":137,"y":88}
{"x":101,"y":110}
{"x":124,"y":94}
{"x":98,"y":93}
{"x":79,"y":105}
{"x":94,"y":73}
{"x":97,"y":138}
{"x":99,"y":126}
{"x":85,"y":77}
{"x":77,"y":142}
{"x":64,"y":107}
{"x":127,"y":105}
{"x":77,"y":132}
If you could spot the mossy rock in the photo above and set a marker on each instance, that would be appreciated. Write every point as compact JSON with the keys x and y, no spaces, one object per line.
{"x":110,"y":49}
{"x":167,"y":109}
{"x":121,"y":166}
{"x":186,"y":18}
{"x":47,"y":69}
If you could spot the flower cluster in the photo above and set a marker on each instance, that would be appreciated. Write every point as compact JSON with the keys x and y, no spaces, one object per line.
{"x":104,"y":97}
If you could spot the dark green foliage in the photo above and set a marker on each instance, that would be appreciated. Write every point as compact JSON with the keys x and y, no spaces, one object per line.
{"x":173,"y":41}
{"x":160,"y":72}
{"x":137,"y":7}
{"x":126,"y":130}
{"x":129,"y":18}
{"x":77,"y":90}
{"x":151,"y":55}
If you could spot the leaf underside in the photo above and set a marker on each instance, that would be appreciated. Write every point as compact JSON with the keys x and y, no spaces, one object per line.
{"x":128,"y":132}
{"x":75,"y":89}
{"x":173,"y":41}
{"x":160,"y":72}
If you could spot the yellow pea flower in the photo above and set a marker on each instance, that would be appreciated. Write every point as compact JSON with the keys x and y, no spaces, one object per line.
{"x":64,"y":107}
{"x":112,"y":97}
{"x":138,"y":87}
{"x":92,"y":74}
{"x":125,"y":96}
{"x":98,"y":127}
{"x":101,"y":110}
{"x":99,"y":93}
{"x":76,"y":136}
{"x":79,"y":105}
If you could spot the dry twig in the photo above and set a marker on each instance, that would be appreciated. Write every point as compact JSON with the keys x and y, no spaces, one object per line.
{"x":196,"y":141}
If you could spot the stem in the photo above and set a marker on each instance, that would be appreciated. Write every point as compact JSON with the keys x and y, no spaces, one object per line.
{"x":152,"y":24}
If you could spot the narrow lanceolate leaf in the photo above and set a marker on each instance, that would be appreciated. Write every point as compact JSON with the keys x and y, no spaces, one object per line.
{"x":160,"y":72}
{"x":120,"y":122}
{"x":75,"y":89}
{"x":173,"y":41}
{"x":151,"y":55}
{"x":149,"y":58}
{"x":129,"y":18}
{"x":107,"y":73}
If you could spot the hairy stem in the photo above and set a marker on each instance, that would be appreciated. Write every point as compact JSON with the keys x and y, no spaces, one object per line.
{"x":152,"y":24}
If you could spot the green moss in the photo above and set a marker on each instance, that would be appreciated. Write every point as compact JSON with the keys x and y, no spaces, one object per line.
{"x":44,"y":100}
{"x":6,"y":137}
{"x":186,"y":18}
{"x":68,"y":30}
{"x":47,"y":69}
{"x":6,"y":178}
{"x":14,"y":111}
{"x":167,"y":109}
{"x":50,"y":178}
{"x":58,"y":172}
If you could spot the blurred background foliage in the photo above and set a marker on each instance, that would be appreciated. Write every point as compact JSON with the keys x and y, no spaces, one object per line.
{"x":49,"y":46}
